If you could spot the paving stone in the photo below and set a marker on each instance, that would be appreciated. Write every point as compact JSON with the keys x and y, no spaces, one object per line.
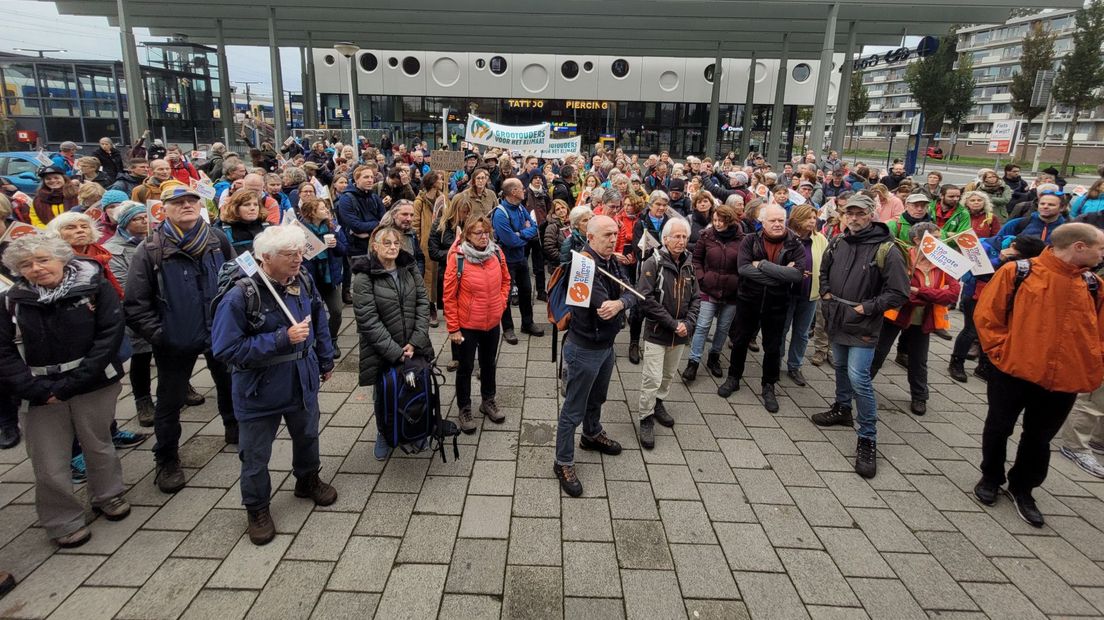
{"x":747,"y":548}
{"x":594,"y":609}
{"x":289,"y":513}
{"x":786,"y":527}
{"x":672,"y":482}
{"x":1089,"y":539}
{"x":470,"y":606}
{"x":686,"y":522}
{"x":27,"y":552}
{"x":1002,"y":600}
{"x":535,"y":541}
{"x":703,"y":572}
{"x":794,"y":471}
{"x":854,"y":554}
{"x":323,"y":536}
{"x":824,"y":456}
{"x":168,"y":591}
{"x":630,"y":500}
{"x":386,"y":514}
{"x":743,"y":454}
{"x":770,"y":595}
{"x":928,"y":582}
{"x":629,"y":465}
{"x":93,"y":604}
{"x":1043,"y":586}
{"x":1065,"y":560}
{"x":492,"y":478}
{"x":885,"y":598}
{"x":816,"y":578}
{"x":186,"y":509}
{"x":365,"y":564}
{"x":109,"y":536}
{"x":726,"y":502}
{"x":403,"y":475}
{"x":214,"y":537}
{"x":886,"y":530}
{"x":353,"y":491}
{"x":709,"y":467}
{"x":40,"y":593}
{"x":500,"y":445}
{"x":762,"y":486}
{"x":731,"y":610}
{"x":442,"y":495}
{"x":586,"y":519}
{"x":820,"y":506}
{"x":960,"y":557}
{"x":293,"y":590}
{"x":987,"y":535}
{"x":590,"y":569}
{"x":486,"y":517}
{"x":345,"y":606}
{"x":136,"y":560}
{"x":429,"y":539}
{"x":249,"y":566}
{"x":533,"y":592}
{"x":641,"y":544}
{"x":852,"y":490}
{"x":651,"y":594}
{"x":229,"y":604}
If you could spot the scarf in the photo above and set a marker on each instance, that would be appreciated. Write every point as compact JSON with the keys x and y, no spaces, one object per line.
{"x":539,"y":193}
{"x":728,"y":234}
{"x":992,"y":188}
{"x":916,"y":220}
{"x":46,"y":199}
{"x":472,"y":255}
{"x":72,"y":271}
{"x":193,"y":243}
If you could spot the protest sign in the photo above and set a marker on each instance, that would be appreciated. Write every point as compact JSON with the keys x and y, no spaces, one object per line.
{"x":646,"y":244}
{"x":16,"y":230}
{"x":249,"y":265}
{"x":529,"y":139}
{"x":796,"y":198}
{"x":580,"y":281}
{"x":559,"y":148}
{"x":156,"y":214}
{"x":43,"y":159}
{"x":941,"y":255}
{"x":315,"y":246}
{"x":970,"y":246}
{"x":449,"y":161}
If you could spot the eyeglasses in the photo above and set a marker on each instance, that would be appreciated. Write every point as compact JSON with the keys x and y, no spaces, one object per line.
{"x":389,"y":243}
{"x":291,"y":255}
{"x":479,"y":234}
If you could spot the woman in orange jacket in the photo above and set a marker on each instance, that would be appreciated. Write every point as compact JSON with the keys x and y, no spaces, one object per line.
{"x":931,"y":291}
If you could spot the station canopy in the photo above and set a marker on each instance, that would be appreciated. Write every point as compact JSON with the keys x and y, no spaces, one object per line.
{"x":691,"y":28}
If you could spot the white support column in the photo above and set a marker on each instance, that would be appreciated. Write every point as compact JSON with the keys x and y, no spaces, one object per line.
{"x":749,"y":108}
{"x":843,"y":102}
{"x":820,"y":105}
{"x":774,"y":152}
{"x":714,"y":108}
{"x":279,"y":120}
{"x":132,"y":76}
{"x":226,"y":94}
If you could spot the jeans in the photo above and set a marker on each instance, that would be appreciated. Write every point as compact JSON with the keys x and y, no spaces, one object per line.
{"x":853,"y":380}
{"x":485,"y":343}
{"x":707,"y":311}
{"x":331,"y":296}
{"x":799,"y":318}
{"x":660,"y":365}
{"x":255,"y":437}
{"x":519,"y":277}
{"x":968,"y":335}
{"x":1043,"y":414}
{"x":587,"y":373}
{"x":917,"y":343}
{"x":173,"y":374}
{"x":770,"y":314}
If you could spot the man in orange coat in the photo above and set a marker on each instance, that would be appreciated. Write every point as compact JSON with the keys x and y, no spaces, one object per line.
{"x":1043,"y":329}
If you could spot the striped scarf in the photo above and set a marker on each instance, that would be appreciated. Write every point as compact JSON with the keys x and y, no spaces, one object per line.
{"x":193,"y":243}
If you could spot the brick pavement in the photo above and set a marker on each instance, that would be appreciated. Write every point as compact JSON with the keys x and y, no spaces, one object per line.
{"x":736,"y":513}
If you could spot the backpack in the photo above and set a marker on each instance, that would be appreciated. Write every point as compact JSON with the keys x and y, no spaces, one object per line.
{"x":559,"y":312}
{"x":231,"y":276}
{"x":880,"y":254}
{"x":460,"y":268}
{"x":1023,"y":269}
{"x":409,"y":412}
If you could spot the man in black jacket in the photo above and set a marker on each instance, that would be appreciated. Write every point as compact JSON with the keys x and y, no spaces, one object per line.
{"x":561,"y":185}
{"x":589,"y":357}
{"x":137,"y":171}
{"x":771,"y":263}
{"x":862,"y":275}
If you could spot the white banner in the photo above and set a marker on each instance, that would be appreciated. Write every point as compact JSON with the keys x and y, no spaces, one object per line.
{"x":580,"y":282}
{"x":941,"y":255}
{"x":528,"y":139}
{"x":970,"y":246}
{"x":559,"y":148}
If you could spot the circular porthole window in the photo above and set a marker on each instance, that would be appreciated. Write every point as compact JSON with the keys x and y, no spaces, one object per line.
{"x":498,"y":65}
{"x":619,"y":68}
{"x":569,"y":69}
{"x":801,"y":73}
{"x":480,"y":63}
{"x":588,"y":66}
{"x":411,"y":66}
{"x":710,"y":71}
{"x":392,"y":62}
{"x":368,"y":62}
{"x":329,"y":60}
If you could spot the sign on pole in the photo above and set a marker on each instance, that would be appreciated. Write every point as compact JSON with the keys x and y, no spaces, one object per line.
{"x":559,"y":148}
{"x":970,"y":247}
{"x":1002,"y":137}
{"x":941,"y":255}
{"x":446,"y":161}
{"x":580,"y":283}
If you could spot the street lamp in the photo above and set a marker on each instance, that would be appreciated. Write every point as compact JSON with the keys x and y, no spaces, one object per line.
{"x":349,"y":50}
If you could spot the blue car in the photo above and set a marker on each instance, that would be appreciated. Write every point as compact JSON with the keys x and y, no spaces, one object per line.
{"x":18,"y":168}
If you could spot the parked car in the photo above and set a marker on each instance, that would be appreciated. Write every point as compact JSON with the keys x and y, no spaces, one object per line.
{"x":18,"y":168}
{"x":934,"y":152}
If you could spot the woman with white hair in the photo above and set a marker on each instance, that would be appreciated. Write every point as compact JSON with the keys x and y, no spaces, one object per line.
{"x":71,"y":321}
{"x":982,"y":219}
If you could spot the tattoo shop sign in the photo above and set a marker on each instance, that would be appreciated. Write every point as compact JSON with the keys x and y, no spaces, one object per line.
{"x":527,"y":139}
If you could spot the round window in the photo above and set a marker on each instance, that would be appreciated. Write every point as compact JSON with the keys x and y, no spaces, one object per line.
{"x":392,"y":62}
{"x":329,"y":60}
{"x":480,"y":63}
{"x":368,"y":62}
{"x":411,"y":65}
{"x":710,"y":71}
{"x":801,"y":72}
{"x":569,"y":69}
{"x":620,"y":68}
{"x":498,"y":65}
{"x":588,"y":66}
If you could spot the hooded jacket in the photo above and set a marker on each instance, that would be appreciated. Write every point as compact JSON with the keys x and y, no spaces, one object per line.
{"x":671,"y":297}
{"x":389,"y":314}
{"x":562,"y":191}
{"x":359,"y":212}
{"x":126,"y":182}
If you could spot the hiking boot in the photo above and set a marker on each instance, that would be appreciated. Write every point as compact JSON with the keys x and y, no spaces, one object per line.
{"x":974,"y":352}
{"x":981,"y":371}
{"x":509,"y":336}
{"x":513,"y":296}
{"x":731,"y":384}
{"x":532,"y":330}
{"x":944,"y":334}
{"x":336,"y":350}
{"x":770,"y":400}
{"x":7,"y":582}
{"x":114,"y":509}
{"x":170,"y":477}
{"x":797,"y":377}
{"x":78,"y":473}
{"x":713,"y":363}
{"x":194,"y":398}
{"x":753,"y":346}
{"x":261,"y":528}
{"x":901,"y":359}
{"x":818,"y":358}
{"x":467,"y":424}
{"x":569,"y":482}
{"x":127,"y":439}
{"x":145,"y":409}
{"x":634,"y":352}
{"x":600,"y":443}
{"x":9,"y":437}
{"x":957,"y":369}
{"x":918,"y":407}
{"x":230,"y":433}
{"x":489,"y":408}
{"x":433,"y":320}
{"x":659,"y":412}
{"x":312,"y":486}
{"x":866,"y":454}
{"x":691,"y":372}
{"x":986,"y":492}
{"x":542,"y":296}
{"x":452,"y":366}
{"x":74,"y":540}
{"x":1026,"y":508}
{"x":1085,"y":460}
{"x":647,"y":433}
{"x":838,"y":415}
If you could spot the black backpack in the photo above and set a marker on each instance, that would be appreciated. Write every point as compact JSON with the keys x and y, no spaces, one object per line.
{"x":230,"y":275}
{"x":1023,"y":269}
{"x":408,"y":408}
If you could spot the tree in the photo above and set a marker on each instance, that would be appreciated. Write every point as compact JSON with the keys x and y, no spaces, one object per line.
{"x":1082,"y":72}
{"x":1038,"y":55}
{"x":960,"y":97}
{"x":858,"y":105}
{"x":928,"y":80}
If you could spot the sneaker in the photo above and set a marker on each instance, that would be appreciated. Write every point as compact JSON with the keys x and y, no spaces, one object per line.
{"x":797,"y":377}
{"x":509,"y":336}
{"x":1026,"y":508}
{"x":647,"y":433}
{"x":944,"y":334}
{"x":691,"y":372}
{"x":600,"y":443}
{"x":1096,"y":446}
{"x":753,"y":346}
{"x":986,"y":492}
{"x":731,"y":384}
{"x":170,"y":477}
{"x":533,"y":331}
{"x":659,"y":412}
{"x":866,"y":458}
{"x":713,"y":363}
{"x":918,"y":407}
{"x":74,"y":540}
{"x":568,"y":481}
{"x":230,"y":433}
{"x":145,"y":408}
{"x":957,"y":369}
{"x":467,"y":424}
{"x":77,"y":471}
{"x":7,"y":582}
{"x":634,"y":352}
{"x":1084,"y":460}
{"x":261,"y":528}
{"x":312,"y":486}
{"x":838,"y":415}
{"x":9,"y":437}
{"x":452,"y":366}
{"x":381,"y":450}
{"x":489,"y":408}
{"x":127,"y":439}
{"x":115,"y":509}
{"x":194,"y":398}
{"x":770,"y":400}
{"x":818,"y":358}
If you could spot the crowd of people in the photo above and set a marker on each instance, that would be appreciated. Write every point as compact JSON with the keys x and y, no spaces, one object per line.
{"x":123,"y":265}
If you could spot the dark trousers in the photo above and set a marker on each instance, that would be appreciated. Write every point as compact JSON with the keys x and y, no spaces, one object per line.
{"x":916,"y":342}
{"x":537,"y":256}
{"x":1044,"y":412}
{"x":9,"y":412}
{"x":968,"y":335}
{"x":140,"y":364}
{"x":485,"y":343}
{"x":331,"y":296}
{"x":767,"y":314}
{"x":519,"y":277}
{"x":255,"y":438}
{"x":173,"y":374}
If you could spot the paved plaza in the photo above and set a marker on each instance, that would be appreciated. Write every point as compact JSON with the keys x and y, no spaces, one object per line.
{"x":735,"y":513}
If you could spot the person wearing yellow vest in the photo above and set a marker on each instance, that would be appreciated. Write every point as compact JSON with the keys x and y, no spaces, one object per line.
{"x":931,"y":291}
{"x":55,"y":196}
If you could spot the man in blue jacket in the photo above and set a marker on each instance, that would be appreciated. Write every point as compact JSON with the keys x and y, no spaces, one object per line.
{"x":1041,"y":223}
{"x":513,"y":229}
{"x":277,"y":368}
{"x":359,"y":209}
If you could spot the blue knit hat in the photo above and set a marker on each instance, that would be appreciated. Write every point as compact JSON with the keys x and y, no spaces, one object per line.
{"x":130,"y":210}
{"x":113,"y":197}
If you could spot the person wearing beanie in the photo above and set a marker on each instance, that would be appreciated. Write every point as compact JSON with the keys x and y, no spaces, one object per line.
{"x":109,"y":204}
{"x":680,"y":202}
{"x":862,"y":274}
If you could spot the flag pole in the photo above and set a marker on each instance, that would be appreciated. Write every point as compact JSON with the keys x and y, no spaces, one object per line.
{"x":615,"y":279}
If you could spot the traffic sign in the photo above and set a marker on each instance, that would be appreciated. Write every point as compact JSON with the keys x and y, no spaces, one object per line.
{"x":1002,"y":136}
